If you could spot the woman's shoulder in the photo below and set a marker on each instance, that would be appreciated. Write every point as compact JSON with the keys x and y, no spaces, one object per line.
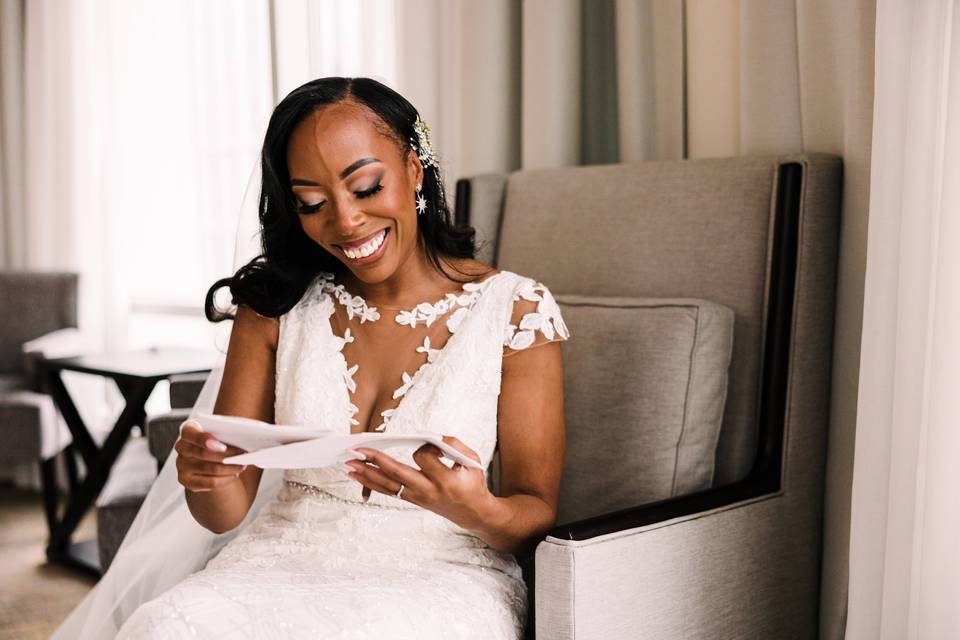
{"x":469,"y":270}
{"x":249,"y":325}
{"x":477,"y":272}
{"x":534,"y":316}
{"x":318,"y":291}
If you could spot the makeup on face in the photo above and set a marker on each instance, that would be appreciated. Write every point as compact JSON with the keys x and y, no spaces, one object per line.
{"x":359,"y":222}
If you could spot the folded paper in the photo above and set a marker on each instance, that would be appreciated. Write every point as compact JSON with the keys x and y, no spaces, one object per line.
{"x":272,"y":446}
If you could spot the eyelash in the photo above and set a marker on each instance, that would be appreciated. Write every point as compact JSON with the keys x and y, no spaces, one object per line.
{"x":360,"y":194}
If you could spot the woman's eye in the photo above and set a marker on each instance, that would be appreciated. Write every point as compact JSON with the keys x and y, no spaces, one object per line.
{"x":369,"y":192}
{"x":366,"y":193}
{"x":304,"y":208}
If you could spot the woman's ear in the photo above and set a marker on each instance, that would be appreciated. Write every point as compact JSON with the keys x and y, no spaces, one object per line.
{"x":414,"y":167}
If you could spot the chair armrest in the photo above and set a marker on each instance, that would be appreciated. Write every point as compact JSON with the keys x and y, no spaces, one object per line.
{"x":62,"y":343}
{"x":163,"y":431}
{"x":754,"y":486}
{"x":744,"y":567}
{"x":33,"y":429}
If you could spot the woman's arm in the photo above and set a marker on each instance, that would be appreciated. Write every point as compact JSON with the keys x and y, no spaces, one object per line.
{"x":247,"y":390}
{"x":532,"y":437}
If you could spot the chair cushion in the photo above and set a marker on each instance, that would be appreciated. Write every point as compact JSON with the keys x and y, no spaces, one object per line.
{"x":645,"y":382}
{"x":163,"y":431}
{"x":31,"y":428}
{"x":130,"y":479}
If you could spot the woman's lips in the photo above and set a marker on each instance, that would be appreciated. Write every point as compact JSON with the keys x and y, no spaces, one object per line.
{"x":358,"y":243}
{"x":373,"y":257}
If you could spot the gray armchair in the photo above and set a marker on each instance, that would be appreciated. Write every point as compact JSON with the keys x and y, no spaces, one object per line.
{"x":39,"y":315}
{"x":739,"y":555}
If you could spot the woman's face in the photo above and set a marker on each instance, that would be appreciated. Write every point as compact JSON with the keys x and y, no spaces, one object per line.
{"x":355,"y":193}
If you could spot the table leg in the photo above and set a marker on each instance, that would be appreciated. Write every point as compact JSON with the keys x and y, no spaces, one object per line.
{"x":127,"y":389}
{"x":48,"y":475}
{"x":71,"y":461}
{"x":99,"y":464}
{"x":61,"y":397}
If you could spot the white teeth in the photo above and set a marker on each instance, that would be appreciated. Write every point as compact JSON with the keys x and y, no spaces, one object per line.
{"x":367,"y":249}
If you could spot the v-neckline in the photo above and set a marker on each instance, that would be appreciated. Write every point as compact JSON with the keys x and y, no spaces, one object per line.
{"x":371,"y":313}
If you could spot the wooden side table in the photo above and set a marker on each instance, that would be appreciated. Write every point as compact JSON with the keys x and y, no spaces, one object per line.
{"x":136,"y":373}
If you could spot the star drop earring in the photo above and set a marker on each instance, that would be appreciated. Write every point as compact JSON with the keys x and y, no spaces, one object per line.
{"x":421,"y":201}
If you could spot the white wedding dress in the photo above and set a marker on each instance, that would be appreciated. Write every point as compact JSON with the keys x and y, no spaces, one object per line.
{"x":323,"y":560}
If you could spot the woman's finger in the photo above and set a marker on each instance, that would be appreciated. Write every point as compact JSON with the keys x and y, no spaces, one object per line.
{"x":395,"y":470}
{"x":194,"y":434}
{"x":188,"y":449}
{"x":198,"y":482}
{"x":428,"y":458}
{"x":215,"y":468}
{"x":376,"y":480}
{"x":462,"y":448}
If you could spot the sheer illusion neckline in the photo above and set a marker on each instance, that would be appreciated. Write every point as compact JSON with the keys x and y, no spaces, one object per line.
{"x":424,"y":312}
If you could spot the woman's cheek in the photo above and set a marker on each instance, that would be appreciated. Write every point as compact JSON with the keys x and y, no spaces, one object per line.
{"x":395,"y":201}
{"x":311,"y":227}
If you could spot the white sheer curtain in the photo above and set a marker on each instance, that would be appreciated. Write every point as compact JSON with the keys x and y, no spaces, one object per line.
{"x":143,"y":121}
{"x":333,"y":38}
{"x":905,"y":528}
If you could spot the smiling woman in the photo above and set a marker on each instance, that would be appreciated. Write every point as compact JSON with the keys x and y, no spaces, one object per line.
{"x":363,"y":314}
{"x":340,"y":164}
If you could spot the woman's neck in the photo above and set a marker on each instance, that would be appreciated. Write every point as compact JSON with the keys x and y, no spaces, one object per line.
{"x":414,"y":281}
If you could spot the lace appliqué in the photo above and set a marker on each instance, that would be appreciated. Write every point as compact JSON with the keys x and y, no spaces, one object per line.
{"x":424,"y":313}
{"x":546,"y":318}
{"x":355,"y":305}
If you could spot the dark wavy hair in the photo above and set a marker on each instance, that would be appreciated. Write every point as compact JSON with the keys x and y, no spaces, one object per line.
{"x":273,"y":282}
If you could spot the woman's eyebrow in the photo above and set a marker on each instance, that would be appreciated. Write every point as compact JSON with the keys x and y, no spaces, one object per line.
{"x":343,"y":174}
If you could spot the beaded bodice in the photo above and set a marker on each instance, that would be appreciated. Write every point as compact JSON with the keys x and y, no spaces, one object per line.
{"x":445,"y":357}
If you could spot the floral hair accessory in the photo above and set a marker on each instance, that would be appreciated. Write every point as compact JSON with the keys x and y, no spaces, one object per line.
{"x":424,"y":149}
{"x":422,"y":144}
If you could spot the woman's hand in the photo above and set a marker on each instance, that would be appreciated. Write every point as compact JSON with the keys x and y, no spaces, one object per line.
{"x":200,"y":460}
{"x":458,"y":493}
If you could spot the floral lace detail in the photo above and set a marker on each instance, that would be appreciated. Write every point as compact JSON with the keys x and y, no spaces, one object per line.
{"x":355,"y":305}
{"x":424,"y":313}
{"x":425,"y":348}
{"x":427,"y":313}
{"x":546,"y":319}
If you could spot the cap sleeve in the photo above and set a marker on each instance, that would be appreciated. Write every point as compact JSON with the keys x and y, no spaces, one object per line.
{"x":535,"y":319}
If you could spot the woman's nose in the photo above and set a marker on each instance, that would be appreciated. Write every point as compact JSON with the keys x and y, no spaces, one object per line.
{"x":348,"y":218}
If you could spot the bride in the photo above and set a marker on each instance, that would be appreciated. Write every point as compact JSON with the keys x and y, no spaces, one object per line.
{"x":367,"y":311}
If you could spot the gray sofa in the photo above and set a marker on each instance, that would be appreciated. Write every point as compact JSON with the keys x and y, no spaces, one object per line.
{"x":700,"y":298}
